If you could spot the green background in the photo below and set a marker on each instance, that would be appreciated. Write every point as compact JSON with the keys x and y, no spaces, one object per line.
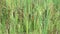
{"x":29,"y":16}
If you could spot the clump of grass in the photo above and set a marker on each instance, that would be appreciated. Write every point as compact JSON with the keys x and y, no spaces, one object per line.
{"x":29,"y":17}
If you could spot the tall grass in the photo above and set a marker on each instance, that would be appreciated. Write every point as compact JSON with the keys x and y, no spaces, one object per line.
{"x":29,"y":17}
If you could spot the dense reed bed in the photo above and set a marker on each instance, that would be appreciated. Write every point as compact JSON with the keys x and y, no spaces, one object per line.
{"x":29,"y":17}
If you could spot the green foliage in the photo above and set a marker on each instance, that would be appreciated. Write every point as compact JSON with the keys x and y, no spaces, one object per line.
{"x":29,"y":17}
